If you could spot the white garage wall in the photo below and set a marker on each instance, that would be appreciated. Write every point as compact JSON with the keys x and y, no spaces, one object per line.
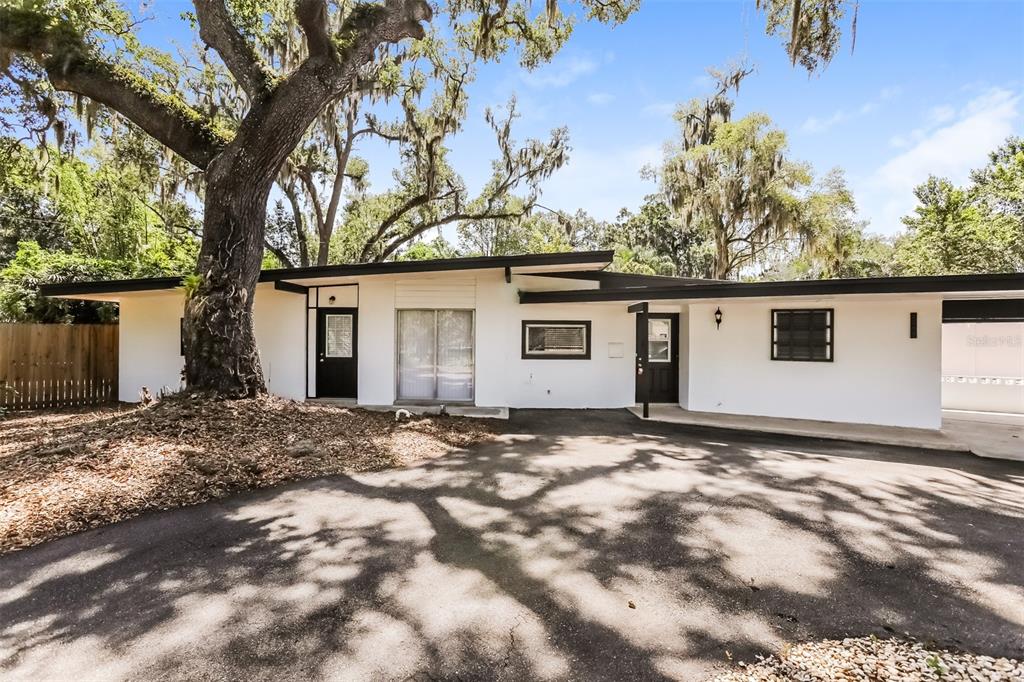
{"x":983,"y":367}
{"x":879,"y":376}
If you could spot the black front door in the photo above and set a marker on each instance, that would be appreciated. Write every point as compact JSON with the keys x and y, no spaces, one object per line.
{"x":336,"y":349}
{"x":661,"y":336}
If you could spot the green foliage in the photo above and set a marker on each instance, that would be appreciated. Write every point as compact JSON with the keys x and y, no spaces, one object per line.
{"x":975,"y":229}
{"x":834,"y":243}
{"x":432,"y":250}
{"x":810,"y":28}
{"x":642,"y":261}
{"x":82,"y":218}
{"x":26,"y":211}
{"x":654,"y":241}
{"x":732,"y":180}
{"x":32,"y":266}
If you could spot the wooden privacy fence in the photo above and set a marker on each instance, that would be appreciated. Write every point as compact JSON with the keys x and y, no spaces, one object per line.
{"x":57,"y":365}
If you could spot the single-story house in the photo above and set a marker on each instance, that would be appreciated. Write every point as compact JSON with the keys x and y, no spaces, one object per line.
{"x":560,"y":331}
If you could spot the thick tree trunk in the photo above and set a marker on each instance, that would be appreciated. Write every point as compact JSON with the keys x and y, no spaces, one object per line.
{"x":722,"y":255}
{"x":323,"y":250}
{"x":221,"y":353}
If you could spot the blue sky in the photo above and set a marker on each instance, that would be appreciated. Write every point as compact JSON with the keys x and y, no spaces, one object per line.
{"x":931,"y":87}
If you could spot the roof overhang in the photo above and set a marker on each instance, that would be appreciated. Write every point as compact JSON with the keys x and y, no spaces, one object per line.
{"x":1009,"y":285}
{"x":983,"y":310}
{"x":539,"y":263}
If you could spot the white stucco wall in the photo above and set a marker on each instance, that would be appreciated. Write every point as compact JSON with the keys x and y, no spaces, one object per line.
{"x":280,"y":335}
{"x":879,"y":376}
{"x":376,"y":341}
{"x":149,"y":343}
{"x":506,"y":379}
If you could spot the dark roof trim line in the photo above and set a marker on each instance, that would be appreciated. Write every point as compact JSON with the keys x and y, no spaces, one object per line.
{"x":391,"y":267}
{"x":983,"y":310}
{"x":880,"y":285}
{"x":110,"y":286}
{"x":440,"y":265}
{"x":618,"y":280}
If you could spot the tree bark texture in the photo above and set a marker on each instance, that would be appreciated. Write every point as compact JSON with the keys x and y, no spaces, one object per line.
{"x":221,"y":354}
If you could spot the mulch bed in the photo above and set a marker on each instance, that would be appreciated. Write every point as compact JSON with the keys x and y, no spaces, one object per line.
{"x":870,"y":659}
{"x":65,"y":472}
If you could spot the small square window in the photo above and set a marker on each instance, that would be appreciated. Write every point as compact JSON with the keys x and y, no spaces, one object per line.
{"x":802,"y":335}
{"x":556,"y":340}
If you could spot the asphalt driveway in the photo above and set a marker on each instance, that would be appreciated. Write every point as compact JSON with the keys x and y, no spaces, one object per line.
{"x":521,"y":559}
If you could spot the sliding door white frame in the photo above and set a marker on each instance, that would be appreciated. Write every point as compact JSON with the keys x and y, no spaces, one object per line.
{"x":434,"y":355}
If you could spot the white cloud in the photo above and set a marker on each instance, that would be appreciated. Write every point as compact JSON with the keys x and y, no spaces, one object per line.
{"x":816,"y":124}
{"x":602,"y":181}
{"x":820,"y":125}
{"x":941,"y":114}
{"x":659,"y":109}
{"x":560,"y":72}
{"x":600,"y":98}
{"x":949,"y":151}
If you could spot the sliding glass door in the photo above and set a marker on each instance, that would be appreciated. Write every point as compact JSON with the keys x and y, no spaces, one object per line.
{"x":435,"y":355}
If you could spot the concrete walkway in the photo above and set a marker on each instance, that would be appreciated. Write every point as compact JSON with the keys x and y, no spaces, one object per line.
{"x":987,"y":434}
{"x":580,"y":545}
{"x":982,"y":434}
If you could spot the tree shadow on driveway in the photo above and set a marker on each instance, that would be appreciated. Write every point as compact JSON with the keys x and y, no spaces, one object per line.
{"x":588,"y":545}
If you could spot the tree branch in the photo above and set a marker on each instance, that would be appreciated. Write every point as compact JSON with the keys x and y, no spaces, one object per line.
{"x":72,"y":66}
{"x":279,"y":252}
{"x":218,"y":31}
{"x":423,"y":227}
{"x":312,"y":18}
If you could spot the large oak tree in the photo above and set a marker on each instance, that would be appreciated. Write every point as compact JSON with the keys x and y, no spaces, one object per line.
{"x":91,"y":48}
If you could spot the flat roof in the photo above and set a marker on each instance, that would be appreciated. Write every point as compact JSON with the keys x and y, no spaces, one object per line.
{"x":524,"y":264}
{"x":945,"y":284}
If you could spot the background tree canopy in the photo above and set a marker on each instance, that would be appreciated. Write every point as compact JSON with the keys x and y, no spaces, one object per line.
{"x":105,"y":172}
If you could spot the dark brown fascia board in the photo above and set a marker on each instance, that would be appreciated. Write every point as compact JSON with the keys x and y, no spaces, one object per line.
{"x":878,"y":285}
{"x":439,"y":265}
{"x":983,"y":310}
{"x":110,"y":286}
{"x":392,"y":267}
{"x":620,"y":280}
{"x":291,"y":287}
{"x":638,"y":307}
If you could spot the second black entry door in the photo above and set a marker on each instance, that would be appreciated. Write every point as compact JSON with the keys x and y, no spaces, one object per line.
{"x":662,"y":339}
{"x":336,"y":353}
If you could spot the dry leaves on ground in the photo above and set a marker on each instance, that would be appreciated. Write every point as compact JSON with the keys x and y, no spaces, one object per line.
{"x":875,"y":660}
{"x":64,"y":472}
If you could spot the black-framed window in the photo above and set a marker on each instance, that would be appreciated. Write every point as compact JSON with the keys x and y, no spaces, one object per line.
{"x":556,"y":339}
{"x":803,"y":334}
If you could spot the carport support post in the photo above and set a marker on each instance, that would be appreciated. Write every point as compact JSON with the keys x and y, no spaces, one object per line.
{"x":643,"y":381}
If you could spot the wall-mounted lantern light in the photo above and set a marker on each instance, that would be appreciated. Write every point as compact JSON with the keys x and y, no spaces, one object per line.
{"x":718,"y":318}
{"x":331,"y":300}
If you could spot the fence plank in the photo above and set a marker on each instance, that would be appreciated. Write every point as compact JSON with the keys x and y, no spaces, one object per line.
{"x":54,"y":365}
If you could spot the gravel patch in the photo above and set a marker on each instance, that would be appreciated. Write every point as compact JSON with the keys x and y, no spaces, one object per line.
{"x":65,"y":472}
{"x":874,"y":660}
